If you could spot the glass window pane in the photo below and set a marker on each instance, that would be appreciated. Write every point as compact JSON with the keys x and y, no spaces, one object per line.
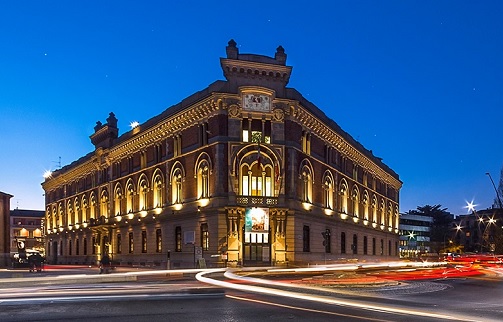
{"x":245,"y":185}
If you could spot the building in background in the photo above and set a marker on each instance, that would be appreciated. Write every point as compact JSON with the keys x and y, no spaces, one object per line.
{"x":244,"y":172}
{"x":415,"y":230}
{"x":26,"y":229}
{"x":479,"y":231}
{"x":4,"y":229}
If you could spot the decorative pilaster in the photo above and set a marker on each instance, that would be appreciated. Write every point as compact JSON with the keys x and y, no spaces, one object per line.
{"x":234,"y":217}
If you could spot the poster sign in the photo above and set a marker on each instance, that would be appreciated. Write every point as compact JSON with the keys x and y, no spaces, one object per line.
{"x":198,"y":252}
{"x":21,"y":246}
{"x":256,"y":220}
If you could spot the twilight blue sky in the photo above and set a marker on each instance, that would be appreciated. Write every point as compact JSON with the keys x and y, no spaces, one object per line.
{"x":418,"y":82}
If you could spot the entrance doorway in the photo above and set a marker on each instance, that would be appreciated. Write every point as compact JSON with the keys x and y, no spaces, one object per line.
{"x":256,"y":242}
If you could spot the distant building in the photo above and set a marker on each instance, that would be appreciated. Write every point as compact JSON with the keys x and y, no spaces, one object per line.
{"x":414,"y":235}
{"x":26,"y":227}
{"x":480,"y":231}
{"x":4,"y":228}
{"x":244,"y":172}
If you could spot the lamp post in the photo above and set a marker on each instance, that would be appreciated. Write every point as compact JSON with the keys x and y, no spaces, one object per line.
{"x":495,"y":190}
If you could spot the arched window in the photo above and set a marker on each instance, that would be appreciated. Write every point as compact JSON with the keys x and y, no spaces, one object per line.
{"x":365,"y":203}
{"x":78,"y":211}
{"x":85,"y":209}
{"x":48,"y":218}
{"x":257,"y":180}
{"x":143,"y":193}
{"x":306,"y":142}
{"x":307,"y":184}
{"x":176,"y":186}
{"x":104,"y":203}
{"x":355,"y":202}
{"x":354,"y":246}
{"x":117,"y":200}
{"x":382,"y":208}
{"x":328,"y":192}
{"x":129,"y":197}
{"x":158,"y":191}
{"x":343,"y":196}
{"x":374,"y":209}
{"x":54,"y":217}
{"x":61,"y":215}
{"x":203,"y":180}
{"x":390,"y":216}
{"x":69,"y":212}
{"x":92,"y":207}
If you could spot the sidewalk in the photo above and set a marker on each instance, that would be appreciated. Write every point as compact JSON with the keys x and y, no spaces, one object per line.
{"x":82,"y":274}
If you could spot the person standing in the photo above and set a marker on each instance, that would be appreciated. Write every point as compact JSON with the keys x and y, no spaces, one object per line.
{"x":104,"y":264}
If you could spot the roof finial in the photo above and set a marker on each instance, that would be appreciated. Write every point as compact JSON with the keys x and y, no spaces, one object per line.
{"x":232,"y":50}
{"x":280,"y":55}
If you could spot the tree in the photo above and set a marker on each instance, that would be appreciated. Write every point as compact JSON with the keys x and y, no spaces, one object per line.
{"x":441,"y":227}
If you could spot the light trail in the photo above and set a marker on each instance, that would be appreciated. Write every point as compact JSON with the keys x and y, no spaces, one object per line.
{"x":322,"y":299}
{"x":354,"y":267}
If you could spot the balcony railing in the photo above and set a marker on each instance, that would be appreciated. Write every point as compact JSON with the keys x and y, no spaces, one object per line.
{"x":256,"y":201}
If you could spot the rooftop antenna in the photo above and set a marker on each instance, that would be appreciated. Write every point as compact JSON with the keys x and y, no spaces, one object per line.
{"x":58,"y":162}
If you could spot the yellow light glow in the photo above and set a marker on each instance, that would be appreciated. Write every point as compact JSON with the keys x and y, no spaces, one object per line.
{"x":118,"y":218}
{"x":306,"y":205}
{"x":47,"y":174}
{"x":203,"y":202}
{"x":134,"y":124}
{"x":344,"y":216}
{"x":157,"y":210}
{"x":177,"y":206}
{"x":355,"y":219}
{"x":328,"y":212}
{"x":143,"y":213}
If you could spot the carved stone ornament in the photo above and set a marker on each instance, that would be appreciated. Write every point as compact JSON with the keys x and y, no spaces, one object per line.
{"x":279,"y":114}
{"x":234,"y":110}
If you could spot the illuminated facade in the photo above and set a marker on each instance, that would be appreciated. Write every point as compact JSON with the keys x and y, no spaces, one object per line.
{"x":27,"y":226}
{"x":244,"y":172}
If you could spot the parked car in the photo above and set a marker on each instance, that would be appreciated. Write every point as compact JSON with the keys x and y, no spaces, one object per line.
{"x":22,"y":259}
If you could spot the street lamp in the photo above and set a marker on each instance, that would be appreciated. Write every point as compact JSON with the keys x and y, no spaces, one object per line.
{"x":495,"y":190}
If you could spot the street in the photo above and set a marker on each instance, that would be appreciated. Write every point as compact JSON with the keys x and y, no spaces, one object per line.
{"x":155,"y":297}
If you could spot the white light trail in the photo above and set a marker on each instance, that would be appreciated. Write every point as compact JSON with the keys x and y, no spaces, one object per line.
{"x":316,"y":298}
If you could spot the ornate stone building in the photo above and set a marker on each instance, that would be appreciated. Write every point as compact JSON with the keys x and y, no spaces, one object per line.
{"x":244,"y":172}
